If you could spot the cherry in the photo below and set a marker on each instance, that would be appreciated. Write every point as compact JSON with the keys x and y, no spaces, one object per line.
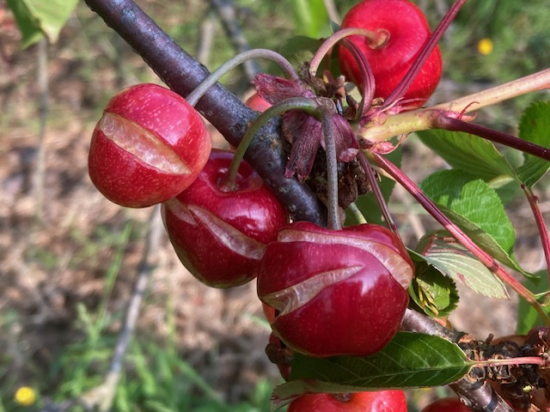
{"x":149,"y":145}
{"x":269,"y":312}
{"x":220,"y":234}
{"x":447,"y":405}
{"x":255,"y":102}
{"x":337,"y":292}
{"x":407,"y":31}
{"x":381,"y":401}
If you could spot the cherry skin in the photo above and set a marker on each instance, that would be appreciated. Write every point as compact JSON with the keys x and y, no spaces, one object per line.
{"x":336,"y":292}
{"x":408,"y":31}
{"x":381,"y":401}
{"x":447,"y":405}
{"x":255,"y":102}
{"x":269,"y":312}
{"x":149,"y":146}
{"x":218,"y":234}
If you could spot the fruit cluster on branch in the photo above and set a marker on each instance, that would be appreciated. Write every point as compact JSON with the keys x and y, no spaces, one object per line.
{"x":330,"y":287}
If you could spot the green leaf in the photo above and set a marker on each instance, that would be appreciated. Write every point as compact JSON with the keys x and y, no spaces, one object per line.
{"x":299,"y":49}
{"x":477,"y":156}
{"x":535,"y":128}
{"x":367,"y":203}
{"x":528,"y":317}
{"x":445,"y":254}
{"x":39,"y":18}
{"x":410,"y":360}
{"x":311,"y":17}
{"x":476,"y":208}
{"x":433,"y":292}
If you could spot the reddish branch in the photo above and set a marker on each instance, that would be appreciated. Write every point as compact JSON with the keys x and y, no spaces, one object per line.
{"x":230,"y":116}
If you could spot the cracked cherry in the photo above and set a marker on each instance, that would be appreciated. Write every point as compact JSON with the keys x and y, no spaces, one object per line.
{"x":407,"y":31}
{"x":336,"y":292}
{"x":220,"y":234}
{"x":447,"y":405}
{"x":149,"y":146}
{"x":380,"y":401}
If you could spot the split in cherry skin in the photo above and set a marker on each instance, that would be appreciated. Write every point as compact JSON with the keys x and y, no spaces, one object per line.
{"x":148,"y":147}
{"x":407,"y":31}
{"x":376,"y":401}
{"x":336,"y":292}
{"x":220,"y":234}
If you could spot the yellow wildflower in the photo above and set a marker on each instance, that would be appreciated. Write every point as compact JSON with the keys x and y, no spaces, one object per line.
{"x":485,"y":46}
{"x":25,"y":396}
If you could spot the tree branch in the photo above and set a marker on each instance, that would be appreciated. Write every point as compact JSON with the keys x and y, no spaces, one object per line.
{"x":182,"y":73}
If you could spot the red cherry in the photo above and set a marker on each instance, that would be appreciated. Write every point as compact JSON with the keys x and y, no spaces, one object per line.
{"x":408,"y":32}
{"x":381,"y":401}
{"x":255,"y":102}
{"x":279,"y":354}
{"x":269,"y":312}
{"x":149,"y":145}
{"x":447,"y":405}
{"x":220,"y":235}
{"x":336,"y":292}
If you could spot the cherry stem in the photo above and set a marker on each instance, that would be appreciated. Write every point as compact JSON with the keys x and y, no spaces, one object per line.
{"x":526,"y":360}
{"x":369,"y":82}
{"x":427,"y":50}
{"x":357,"y":213}
{"x":483,"y":256}
{"x":457,"y":125}
{"x":229,"y":65}
{"x":295,"y":103}
{"x":541,"y":225}
{"x":532,"y":83}
{"x":376,"y":39}
{"x":332,"y":167}
{"x":375,"y":187}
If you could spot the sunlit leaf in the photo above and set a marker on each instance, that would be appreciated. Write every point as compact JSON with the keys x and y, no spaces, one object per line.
{"x":311,"y":17}
{"x":39,"y":18}
{"x":433,"y":292}
{"x":477,"y":156}
{"x":476,"y":208}
{"x":445,"y":254}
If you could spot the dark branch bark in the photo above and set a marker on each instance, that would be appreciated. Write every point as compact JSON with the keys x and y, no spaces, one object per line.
{"x":182,"y":74}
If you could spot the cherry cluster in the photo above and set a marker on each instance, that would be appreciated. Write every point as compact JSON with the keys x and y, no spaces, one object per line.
{"x":328,"y":291}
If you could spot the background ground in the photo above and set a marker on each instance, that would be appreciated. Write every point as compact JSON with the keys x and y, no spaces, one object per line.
{"x":65,"y":278}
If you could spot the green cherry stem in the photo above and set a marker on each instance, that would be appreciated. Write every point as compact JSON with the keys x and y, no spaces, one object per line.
{"x":332,"y":166}
{"x":369,"y":82}
{"x":464,"y":239}
{"x":357,"y":213}
{"x":378,"y":194}
{"x":211,"y":80}
{"x":534,"y":82}
{"x":376,"y":39}
{"x":296,"y":103}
